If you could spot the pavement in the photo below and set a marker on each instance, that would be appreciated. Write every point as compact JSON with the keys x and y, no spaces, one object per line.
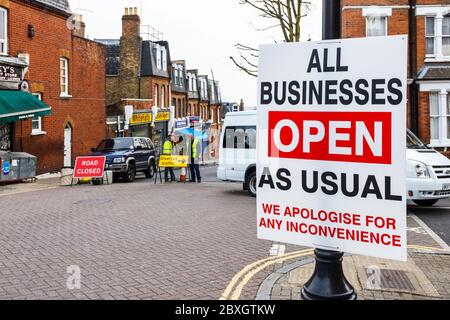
{"x":183,"y":241}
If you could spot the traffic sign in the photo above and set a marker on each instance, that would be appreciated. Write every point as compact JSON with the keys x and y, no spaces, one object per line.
{"x":89,"y":167}
{"x":332,"y":145}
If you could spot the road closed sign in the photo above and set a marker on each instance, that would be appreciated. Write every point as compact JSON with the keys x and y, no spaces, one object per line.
{"x":332,"y":145}
{"x":89,"y":167}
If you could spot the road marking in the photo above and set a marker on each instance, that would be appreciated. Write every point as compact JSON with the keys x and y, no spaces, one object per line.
{"x":234,"y":289}
{"x":238,"y":290}
{"x":432,"y":234}
{"x":253,"y":265}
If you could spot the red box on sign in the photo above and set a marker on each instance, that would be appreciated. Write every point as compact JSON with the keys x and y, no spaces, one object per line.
{"x":361,"y":137}
{"x":89,"y":167}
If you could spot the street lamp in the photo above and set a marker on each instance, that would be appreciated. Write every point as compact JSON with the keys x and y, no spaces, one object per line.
{"x":328,"y":281}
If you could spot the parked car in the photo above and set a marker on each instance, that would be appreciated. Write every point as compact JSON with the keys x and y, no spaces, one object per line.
{"x":428,"y":171}
{"x":127,"y":156}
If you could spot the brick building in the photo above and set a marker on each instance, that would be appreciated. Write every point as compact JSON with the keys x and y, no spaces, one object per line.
{"x":179,"y":92}
{"x":137,"y":81}
{"x":427,"y":23}
{"x":61,"y":68}
{"x":193,"y":92}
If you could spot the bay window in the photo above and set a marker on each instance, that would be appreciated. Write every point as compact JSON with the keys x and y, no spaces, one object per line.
{"x":440,"y":118}
{"x":437,"y":36}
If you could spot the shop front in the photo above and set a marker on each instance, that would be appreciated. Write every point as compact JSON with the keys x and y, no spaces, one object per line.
{"x":16,"y":104}
{"x":142,"y":124}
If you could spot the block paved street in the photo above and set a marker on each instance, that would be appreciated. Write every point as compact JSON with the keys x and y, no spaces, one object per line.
{"x":131,"y":241}
{"x":137,"y":241}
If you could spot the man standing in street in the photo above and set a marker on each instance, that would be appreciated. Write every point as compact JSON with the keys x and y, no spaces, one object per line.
{"x":167,"y":151}
{"x":196,"y":154}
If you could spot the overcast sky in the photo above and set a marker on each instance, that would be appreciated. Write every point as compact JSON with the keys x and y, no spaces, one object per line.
{"x":202,"y":32}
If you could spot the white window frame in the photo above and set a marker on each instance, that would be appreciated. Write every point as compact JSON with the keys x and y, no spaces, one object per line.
{"x":38,"y":131}
{"x":164,"y":58}
{"x":379,"y":17}
{"x":438,"y":13}
{"x":377,"y":12}
{"x":158,"y":57}
{"x":64,"y":82}
{"x":163,"y":96}
{"x":4,"y":50}
{"x":156,"y":95}
{"x":427,"y":36}
{"x":444,"y":119}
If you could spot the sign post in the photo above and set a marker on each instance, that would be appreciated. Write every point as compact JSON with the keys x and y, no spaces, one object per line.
{"x":331,"y":162}
{"x":328,"y":268}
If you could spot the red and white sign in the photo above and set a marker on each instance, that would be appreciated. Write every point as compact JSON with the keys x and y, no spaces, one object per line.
{"x":89,"y":167}
{"x":331,"y":162}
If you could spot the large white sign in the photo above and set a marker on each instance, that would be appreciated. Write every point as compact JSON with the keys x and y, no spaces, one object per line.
{"x":332,"y":145}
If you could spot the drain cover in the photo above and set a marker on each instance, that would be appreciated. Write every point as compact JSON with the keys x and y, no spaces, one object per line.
{"x":389,"y":279}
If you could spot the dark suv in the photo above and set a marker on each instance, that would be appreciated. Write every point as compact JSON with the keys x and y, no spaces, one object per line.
{"x":126,"y":156}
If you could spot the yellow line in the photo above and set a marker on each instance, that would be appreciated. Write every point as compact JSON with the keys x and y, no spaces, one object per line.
{"x":252,"y":269}
{"x":249,"y":267}
{"x":237,"y":292}
{"x":426,"y":248}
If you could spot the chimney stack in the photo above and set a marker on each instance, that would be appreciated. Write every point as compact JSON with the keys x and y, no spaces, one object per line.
{"x":130,"y":49}
{"x":78,"y":26}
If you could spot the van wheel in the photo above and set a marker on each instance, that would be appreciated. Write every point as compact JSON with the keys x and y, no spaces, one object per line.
{"x":425,"y":203}
{"x":251,"y":183}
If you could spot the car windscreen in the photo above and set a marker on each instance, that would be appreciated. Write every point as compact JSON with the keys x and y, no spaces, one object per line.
{"x":412,"y":142}
{"x":115,"y":144}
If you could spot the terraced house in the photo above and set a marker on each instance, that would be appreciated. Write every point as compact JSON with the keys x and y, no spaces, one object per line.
{"x":52,"y":83}
{"x":179,"y":89}
{"x":137,"y":81}
{"x":427,"y":23}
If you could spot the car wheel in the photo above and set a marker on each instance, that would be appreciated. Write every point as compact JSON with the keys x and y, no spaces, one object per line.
{"x":130,"y":175}
{"x":251,"y":183}
{"x":150,"y":172}
{"x":425,"y":203}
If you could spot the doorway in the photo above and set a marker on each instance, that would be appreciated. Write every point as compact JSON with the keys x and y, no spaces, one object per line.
{"x":68,"y":146}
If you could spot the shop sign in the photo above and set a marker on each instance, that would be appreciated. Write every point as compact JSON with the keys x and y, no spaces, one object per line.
{"x":89,"y":167}
{"x":181,"y":124}
{"x":332,"y":145}
{"x":147,"y":118}
{"x":195,"y":120}
{"x":10,"y":73}
{"x":170,"y":161}
{"x":162,"y":116}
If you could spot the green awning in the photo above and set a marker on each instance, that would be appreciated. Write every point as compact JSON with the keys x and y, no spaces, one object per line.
{"x":18,"y":105}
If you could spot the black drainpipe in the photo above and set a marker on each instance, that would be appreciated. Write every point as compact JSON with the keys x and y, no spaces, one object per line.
{"x":413,"y":88}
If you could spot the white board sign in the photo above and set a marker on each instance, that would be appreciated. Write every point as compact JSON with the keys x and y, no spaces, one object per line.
{"x":331,"y":162}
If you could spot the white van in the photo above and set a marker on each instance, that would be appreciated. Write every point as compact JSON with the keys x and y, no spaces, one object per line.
{"x":428,"y":171}
{"x":237,"y":156}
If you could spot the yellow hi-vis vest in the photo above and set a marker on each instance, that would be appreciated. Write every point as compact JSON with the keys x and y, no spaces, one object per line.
{"x":195,"y":152}
{"x":167,"y":148}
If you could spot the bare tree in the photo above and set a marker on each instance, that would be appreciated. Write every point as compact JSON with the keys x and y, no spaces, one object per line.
{"x":283,"y":14}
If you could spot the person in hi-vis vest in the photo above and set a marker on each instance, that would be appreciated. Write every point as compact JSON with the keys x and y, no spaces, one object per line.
{"x":167,"y":151}
{"x":196,"y":155}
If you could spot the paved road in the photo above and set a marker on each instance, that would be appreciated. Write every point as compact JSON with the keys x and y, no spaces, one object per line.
{"x":437,"y":218}
{"x":137,"y":241}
